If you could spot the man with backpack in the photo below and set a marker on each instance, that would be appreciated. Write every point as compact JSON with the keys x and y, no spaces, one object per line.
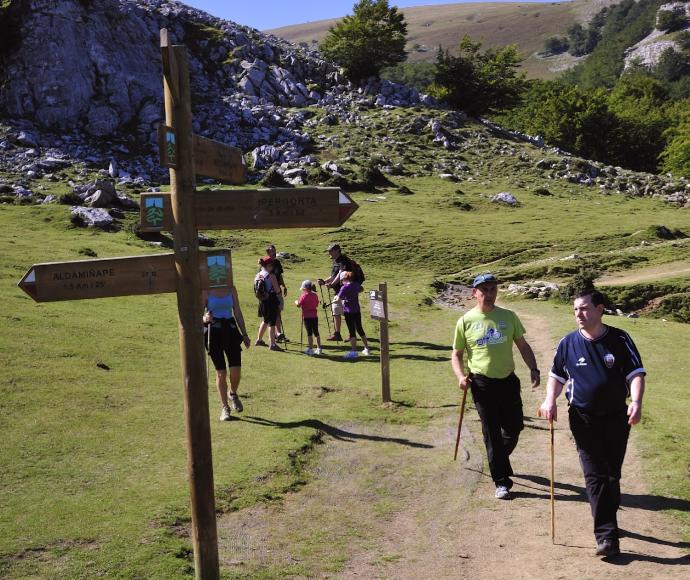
{"x":341,"y":263}
{"x":278,"y":273}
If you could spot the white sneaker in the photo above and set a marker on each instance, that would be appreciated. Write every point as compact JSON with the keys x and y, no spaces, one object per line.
{"x":225,"y":413}
{"x":350,"y":355}
{"x":365,"y":352}
{"x":309,"y":352}
{"x":502,"y":492}
{"x":318,"y":351}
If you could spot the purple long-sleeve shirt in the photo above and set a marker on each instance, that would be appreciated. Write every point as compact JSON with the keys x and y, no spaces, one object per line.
{"x":349,"y":296}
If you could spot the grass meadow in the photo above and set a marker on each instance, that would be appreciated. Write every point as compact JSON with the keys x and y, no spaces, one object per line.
{"x":93,"y":461}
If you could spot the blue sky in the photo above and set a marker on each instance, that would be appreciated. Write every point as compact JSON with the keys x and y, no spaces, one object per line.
{"x":263,"y":14}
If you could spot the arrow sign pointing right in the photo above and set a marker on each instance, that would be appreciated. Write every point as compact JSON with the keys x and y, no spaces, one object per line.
{"x":254,"y":209}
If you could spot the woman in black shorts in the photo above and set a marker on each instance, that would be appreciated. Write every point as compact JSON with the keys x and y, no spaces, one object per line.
{"x":225,"y":334}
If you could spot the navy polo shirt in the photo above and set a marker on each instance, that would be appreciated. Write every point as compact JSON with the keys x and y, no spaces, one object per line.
{"x":597,"y":372}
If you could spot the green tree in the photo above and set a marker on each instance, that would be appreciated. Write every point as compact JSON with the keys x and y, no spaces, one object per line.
{"x":372,"y":38}
{"x":639,"y":102}
{"x":672,"y":65}
{"x":676,"y":156}
{"x":574,"y":119}
{"x":478,"y":82}
{"x":672,"y":20}
{"x":556,"y":44}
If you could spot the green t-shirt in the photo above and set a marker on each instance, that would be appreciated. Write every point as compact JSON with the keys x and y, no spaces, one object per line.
{"x":488,"y":340}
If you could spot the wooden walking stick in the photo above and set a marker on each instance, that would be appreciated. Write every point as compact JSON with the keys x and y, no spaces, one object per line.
{"x":553,"y":503}
{"x":462,"y":413}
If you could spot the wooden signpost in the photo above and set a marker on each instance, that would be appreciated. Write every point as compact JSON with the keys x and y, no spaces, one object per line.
{"x":253,"y":208}
{"x":378,"y":309}
{"x":127,"y":276}
{"x":187,"y":271}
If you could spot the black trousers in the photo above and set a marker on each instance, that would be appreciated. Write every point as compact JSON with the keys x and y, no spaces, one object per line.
{"x":499,"y":406}
{"x":601,"y":443}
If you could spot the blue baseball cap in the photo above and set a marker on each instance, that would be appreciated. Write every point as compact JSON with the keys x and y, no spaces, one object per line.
{"x":483,"y":278}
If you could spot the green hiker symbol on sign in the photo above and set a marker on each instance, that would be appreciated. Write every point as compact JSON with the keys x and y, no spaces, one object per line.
{"x":154,"y":210}
{"x":217,"y":274}
{"x":170,"y":149}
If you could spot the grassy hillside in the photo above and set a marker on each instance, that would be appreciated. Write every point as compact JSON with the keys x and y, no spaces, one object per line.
{"x":93,"y":462}
{"x":496,"y":24}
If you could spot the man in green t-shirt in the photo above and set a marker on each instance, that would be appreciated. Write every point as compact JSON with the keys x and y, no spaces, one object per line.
{"x":487,"y":333}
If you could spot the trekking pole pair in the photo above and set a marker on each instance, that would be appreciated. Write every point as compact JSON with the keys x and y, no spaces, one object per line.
{"x":325,"y":306}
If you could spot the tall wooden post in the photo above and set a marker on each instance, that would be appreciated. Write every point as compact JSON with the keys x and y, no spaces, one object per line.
{"x":178,"y":115}
{"x":385,"y":358}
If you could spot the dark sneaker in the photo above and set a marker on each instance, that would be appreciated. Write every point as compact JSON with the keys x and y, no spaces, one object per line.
{"x":275,"y":347}
{"x":608,"y":548}
{"x":335,"y":336}
{"x":235,"y":402}
{"x":502,"y":492}
{"x":260,"y":343}
{"x":282,"y":338}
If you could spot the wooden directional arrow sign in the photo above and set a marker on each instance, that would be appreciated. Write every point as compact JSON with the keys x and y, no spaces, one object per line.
{"x":308,"y":207}
{"x":128,"y":276}
{"x":218,"y":160}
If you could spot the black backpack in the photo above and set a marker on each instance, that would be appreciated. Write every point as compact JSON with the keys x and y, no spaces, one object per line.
{"x":260,"y":290}
{"x":357,"y":272}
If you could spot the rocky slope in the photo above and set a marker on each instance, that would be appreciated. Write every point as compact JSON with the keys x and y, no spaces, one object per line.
{"x":78,"y":70}
{"x":649,"y":50}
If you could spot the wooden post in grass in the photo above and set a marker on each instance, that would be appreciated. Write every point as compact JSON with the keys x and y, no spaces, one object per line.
{"x":178,"y":115}
{"x":378,"y":308}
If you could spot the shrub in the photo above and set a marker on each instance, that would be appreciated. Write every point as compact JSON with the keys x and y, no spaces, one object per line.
{"x":583,"y":280}
{"x":672,"y":20}
{"x":676,"y":306}
{"x":273,"y":178}
{"x":478,"y":82}
{"x":556,"y":45}
{"x":70,"y":198}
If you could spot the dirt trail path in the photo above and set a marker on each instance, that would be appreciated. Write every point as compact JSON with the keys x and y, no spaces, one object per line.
{"x":389,"y":502}
{"x":651,"y":274}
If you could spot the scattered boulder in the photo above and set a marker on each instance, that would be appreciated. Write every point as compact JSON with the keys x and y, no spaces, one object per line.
{"x":505,"y":198}
{"x":91,"y":217}
{"x":538,"y":289}
{"x":27,"y":139}
{"x":265,"y":156}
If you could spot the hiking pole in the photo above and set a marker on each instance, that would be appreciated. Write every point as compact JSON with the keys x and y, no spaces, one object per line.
{"x":323,"y":304}
{"x":301,"y":334}
{"x":462,"y":413}
{"x":330,"y":301}
{"x":553,"y":502}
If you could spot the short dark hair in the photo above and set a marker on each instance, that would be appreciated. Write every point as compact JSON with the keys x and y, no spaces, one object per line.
{"x":595,"y":296}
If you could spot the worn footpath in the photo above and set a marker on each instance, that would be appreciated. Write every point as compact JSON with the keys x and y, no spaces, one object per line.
{"x":388,"y":501}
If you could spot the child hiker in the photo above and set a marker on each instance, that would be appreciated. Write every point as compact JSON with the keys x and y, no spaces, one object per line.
{"x":348,"y":295}
{"x":309,"y":302}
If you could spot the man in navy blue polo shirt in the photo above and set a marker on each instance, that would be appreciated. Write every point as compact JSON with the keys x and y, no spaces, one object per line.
{"x":601,"y":368}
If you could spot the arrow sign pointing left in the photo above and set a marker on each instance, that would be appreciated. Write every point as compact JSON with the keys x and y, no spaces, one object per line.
{"x":127,"y":276}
